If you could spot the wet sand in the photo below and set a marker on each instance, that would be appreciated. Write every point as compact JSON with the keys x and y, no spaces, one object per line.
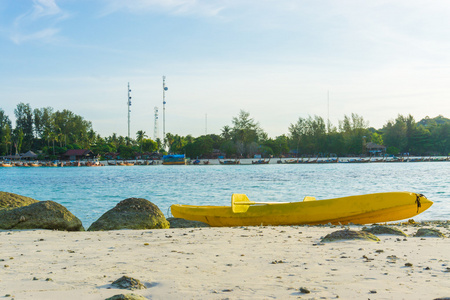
{"x":218,"y":263}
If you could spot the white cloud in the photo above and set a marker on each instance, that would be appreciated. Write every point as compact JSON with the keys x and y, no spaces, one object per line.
{"x":175,"y":7}
{"x":44,"y":8}
{"x":38,"y":23}
{"x":42,"y":35}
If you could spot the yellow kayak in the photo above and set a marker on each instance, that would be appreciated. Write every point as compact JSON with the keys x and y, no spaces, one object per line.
{"x":362,"y":209}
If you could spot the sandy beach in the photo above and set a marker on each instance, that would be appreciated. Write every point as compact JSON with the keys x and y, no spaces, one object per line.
{"x":224,"y":263}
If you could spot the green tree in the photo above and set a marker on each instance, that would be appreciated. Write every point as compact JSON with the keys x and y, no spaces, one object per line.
{"x":177,"y":144}
{"x":140,"y":136}
{"x":159,"y":143}
{"x":308,"y":136}
{"x":6,"y":137}
{"x":18,"y":139}
{"x":376,"y":138}
{"x":229,"y":148}
{"x":226,"y":132}
{"x":148,"y":145}
{"x":199,"y":147}
{"x":5,"y":129}
{"x":441,"y":138}
{"x":42,"y":121}
{"x":354,"y":131}
{"x":24,"y":121}
{"x":246,"y":133}
{"x":394,"y":134}
{"x":71,"y":128}
{"x":127,"y":151}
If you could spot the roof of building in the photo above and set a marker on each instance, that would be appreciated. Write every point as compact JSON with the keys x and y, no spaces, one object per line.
{"x":29,"y":154}
{"x":371,"y":145}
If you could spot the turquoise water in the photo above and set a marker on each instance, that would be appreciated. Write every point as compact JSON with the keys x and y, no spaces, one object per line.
{"x":90,"y":192}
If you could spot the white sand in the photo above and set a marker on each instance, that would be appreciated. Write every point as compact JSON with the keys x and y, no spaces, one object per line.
{"x":218,"y":263}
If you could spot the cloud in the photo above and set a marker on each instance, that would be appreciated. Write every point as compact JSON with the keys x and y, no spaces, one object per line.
{"x":39,"y":23}
{"x":43,"y":35}
{"x":175,"y":7}
{"x":44,"y":8}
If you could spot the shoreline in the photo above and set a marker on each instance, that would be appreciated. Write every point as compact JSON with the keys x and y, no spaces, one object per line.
{"x":242,"y":161}
{"x":225,"y":262}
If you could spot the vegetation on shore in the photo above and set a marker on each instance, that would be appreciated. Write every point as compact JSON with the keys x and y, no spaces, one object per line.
{"x":50,"y":133}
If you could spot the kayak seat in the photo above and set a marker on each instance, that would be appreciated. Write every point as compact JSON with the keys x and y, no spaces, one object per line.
{"x":309,"y":198}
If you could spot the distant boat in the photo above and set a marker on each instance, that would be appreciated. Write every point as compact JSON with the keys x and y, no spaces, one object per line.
{"x":291,"y":161}
{"x":230,"y":162}
{"x":174,"y":159}
{"x":260,"y":162}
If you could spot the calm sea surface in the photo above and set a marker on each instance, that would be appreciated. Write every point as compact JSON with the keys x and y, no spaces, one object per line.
{"x":90,"y":192}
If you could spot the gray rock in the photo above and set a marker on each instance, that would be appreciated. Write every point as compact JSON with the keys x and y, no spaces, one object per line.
{"x":128,"y":283}
{"x":349,"y":235}
{"x":40,"y":215}
{"x":10,"y":200}
{"x":304,"y":290}
{"x":429,"y":232}
{"x":182,"y":223}
{"x":131,"y":213}
{"x":126,"y":297}
{"x":378,"y":229}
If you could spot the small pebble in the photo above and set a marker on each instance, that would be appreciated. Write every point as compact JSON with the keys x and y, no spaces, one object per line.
{"x":304,"y":290}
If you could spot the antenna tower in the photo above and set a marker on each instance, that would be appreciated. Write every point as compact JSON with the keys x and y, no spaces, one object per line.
{"x":164,"y":106}
{"x":156,"y":129}
{"x":129,"y":110}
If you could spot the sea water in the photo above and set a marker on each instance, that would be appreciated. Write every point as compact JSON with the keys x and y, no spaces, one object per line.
{"x":88,"y":192}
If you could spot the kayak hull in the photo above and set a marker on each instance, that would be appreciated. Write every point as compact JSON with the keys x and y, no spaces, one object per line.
{"x":362,"y":209}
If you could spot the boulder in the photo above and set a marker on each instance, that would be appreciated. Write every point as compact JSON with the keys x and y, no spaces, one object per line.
{"x":429,"y":232}
{"x":40,"y":215}
{"x":182,"y":223}
{"x":128,"y":283}
{"x":349,"y":235}
{"x":126,"y":297}
{"x":379,"y":229}
{"x":131,"y":213}
{"x":10,"y":200}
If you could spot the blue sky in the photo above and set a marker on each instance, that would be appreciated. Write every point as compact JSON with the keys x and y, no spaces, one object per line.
{"x":276,"y":59}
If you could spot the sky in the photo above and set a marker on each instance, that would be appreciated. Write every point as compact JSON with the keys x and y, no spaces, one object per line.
{"x":279,"y":60}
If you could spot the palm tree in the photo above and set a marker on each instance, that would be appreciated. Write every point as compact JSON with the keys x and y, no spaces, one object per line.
{"x":140,"y":136}
{"x":53,"y":137}
{"x":91,"y":137}
{"x":120,"y":141}
{"x":158,"y":141}
{"x":7,"y":137}
{"x":168,"y":140}
{"x":226,"y":132}
{"x":177,"y":144}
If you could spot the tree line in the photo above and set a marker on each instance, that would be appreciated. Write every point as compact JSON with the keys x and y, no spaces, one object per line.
{"x":52,"y":133}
